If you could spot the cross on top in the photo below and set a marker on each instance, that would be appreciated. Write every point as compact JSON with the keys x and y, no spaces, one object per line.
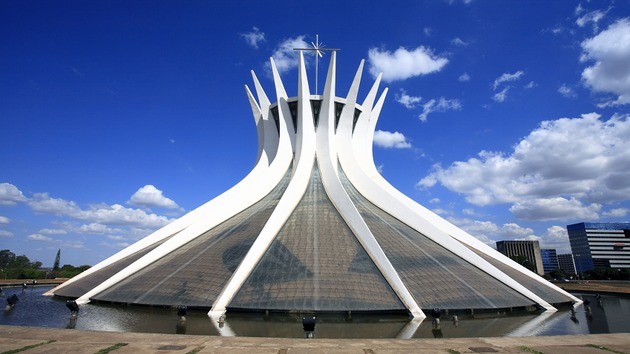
{"x":318,"y":49}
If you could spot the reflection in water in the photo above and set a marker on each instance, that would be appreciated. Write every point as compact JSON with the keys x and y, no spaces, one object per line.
{"x":608,"y":314}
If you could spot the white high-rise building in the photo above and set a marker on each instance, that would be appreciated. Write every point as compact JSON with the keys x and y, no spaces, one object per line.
{"x":314,"y":227}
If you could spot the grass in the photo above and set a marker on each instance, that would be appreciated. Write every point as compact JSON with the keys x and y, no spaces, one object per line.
{"x":530,"y":350}
{"x":604,"y":348}
{"x":111,"y":349}
{"x":452,"y":351}
{"x":195,"y":351}
{"x":28,"y":347}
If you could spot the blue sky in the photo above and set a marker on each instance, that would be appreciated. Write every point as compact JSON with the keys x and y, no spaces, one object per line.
{"x":511,"y":119}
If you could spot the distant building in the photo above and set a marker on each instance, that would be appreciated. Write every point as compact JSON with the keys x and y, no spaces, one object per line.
{"x":549,"y":259}
{"x":528,"y":249}
{"x":567,"y":264}
{"x":605,"y":245}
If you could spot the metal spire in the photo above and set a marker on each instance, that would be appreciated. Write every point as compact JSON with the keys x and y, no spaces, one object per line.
{"x":318,"y":49}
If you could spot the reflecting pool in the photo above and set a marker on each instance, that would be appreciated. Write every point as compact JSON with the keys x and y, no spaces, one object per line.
{"x":607,"y":314}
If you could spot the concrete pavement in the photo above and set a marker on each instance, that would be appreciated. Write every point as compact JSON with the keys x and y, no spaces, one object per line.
{"x":52,"y":340}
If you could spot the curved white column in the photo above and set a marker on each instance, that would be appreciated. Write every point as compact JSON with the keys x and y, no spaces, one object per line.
{"x":256,"y":185}
{"x":362,"y":149}
{"x":298,"y":185}
{"x":384,"y":200}
{"x":327,"y":162}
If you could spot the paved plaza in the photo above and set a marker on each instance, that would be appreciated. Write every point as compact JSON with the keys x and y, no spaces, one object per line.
{"x":32,"y":340}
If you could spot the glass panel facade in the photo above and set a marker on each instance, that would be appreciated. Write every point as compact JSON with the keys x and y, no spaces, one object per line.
{"x":82,"y":286}
{"x":316,"y":264}
{"x":551,"y":296}
{"x":195,"y":273}
{"x":435,"y":276}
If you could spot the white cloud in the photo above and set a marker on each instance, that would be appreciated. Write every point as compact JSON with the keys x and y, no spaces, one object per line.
{"x":39,"y":237}
{"x":434,"y":200}
{"x":579,"y":9}
{"x":404,"y":64}
{"x":531,"y":85}
{"x":616,"y":213}
{"x":44,"y":203}
{"x":4,"y":220}
{"x":10,"y":194}
{"x":149,"y":196}
{"x":4,"y":233}
{"x":53,"y":232}
{"x":548,"y":175}
{"x":610,"y":50}
{"x":459,"y":42}
{"x":556,"y":208}
{"x":464,"y":77}
{"x":387,"y":139}
{"x":558,"y":238}
{"x":115,"y":214}
{"x":515,"y":231}
{"x":591,"y":17}
{"x":379,"y":168}
{"x":439,"y":105}
{"x":501,"y":96}
{"x":409,"y":102}
{"x":484,"y":231}
{"x":254,"y":37}
{"x":95,"y":228}
{"x":566,"y":91}
{"x":507,"y":77}
{"x":285,"y":57}
{"x":427,"y":31}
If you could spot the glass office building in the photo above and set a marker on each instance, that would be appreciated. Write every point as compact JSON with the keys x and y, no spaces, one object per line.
{"x":603,"y":245}
{"x":549,"y":259}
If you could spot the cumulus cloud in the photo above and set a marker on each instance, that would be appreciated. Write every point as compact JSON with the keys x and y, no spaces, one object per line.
{"x":4,"y":220}
{"x":10,"y":194}
{"x":149,"y":196}
{"x":617,"y":213}
{"x":53,"y":232}
{"x":549,"y":175}
{"x":39,"y":237}
{"x":610,"y":52}
{"x":489,"y":232}
{"x":464,"y":77}
{"x":566,"y":91}
{"x":285,"y":57}
{"x":115,"y":214}
{"x":406,"y":100}
{"x":254,"y":37}
{"x":558,"y":238}
{"x":95,"y":228}
{"x":4,"y":233}
{"x":404,"y":64}
{"x":387,"y":139}
{"x":439,"y":105}
{"x":556,"y":208}
{"x":507,"y":77}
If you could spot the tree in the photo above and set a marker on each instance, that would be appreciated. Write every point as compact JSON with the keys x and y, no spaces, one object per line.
{"x":57,"y":260}
{"x":6,"y":259}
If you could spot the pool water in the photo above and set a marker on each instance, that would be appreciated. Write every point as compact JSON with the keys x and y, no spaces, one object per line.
{"x":611,"y":314}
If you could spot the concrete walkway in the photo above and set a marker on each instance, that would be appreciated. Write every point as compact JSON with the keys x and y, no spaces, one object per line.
{"x":48,"y":340}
